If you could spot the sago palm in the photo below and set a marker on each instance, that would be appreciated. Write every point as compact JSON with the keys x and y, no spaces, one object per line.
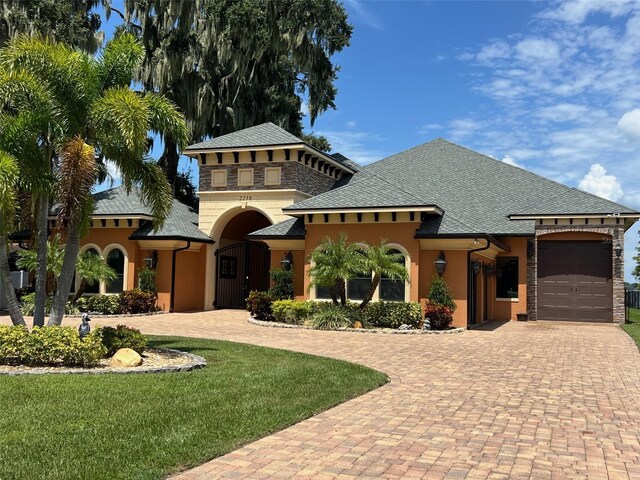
{"x":383,"y":261}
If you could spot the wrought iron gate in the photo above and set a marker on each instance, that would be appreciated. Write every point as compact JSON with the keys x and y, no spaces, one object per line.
{"x":240,"y":268}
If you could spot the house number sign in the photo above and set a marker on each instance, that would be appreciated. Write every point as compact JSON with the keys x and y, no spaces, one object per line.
{"x":245,"y":198}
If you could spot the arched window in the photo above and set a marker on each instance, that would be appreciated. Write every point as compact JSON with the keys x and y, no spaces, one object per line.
{"x":358,"y":286}
{"x":116,"y":260}
{"x":393,"y":290}
{"x":95,"y":288}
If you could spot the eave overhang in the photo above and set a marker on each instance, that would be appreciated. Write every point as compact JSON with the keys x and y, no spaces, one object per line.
{"x":471,"y":236}
{"x":537,"y":216}
{"x":415,"y":208}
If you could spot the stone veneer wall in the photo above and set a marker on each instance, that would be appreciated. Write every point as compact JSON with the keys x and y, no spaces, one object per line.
{"x":617,"y":237}
{"x":294,"y":176}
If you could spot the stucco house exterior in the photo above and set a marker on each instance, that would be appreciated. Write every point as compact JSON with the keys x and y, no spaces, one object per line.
{"x":513,"y":242}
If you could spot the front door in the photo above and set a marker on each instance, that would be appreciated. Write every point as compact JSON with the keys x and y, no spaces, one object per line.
{"x":240,"y":268}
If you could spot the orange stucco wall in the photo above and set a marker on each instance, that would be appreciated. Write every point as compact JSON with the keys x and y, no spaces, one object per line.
{"x":190,"y":280}
{"x":508,"y":309}
{"x":298,"y":269}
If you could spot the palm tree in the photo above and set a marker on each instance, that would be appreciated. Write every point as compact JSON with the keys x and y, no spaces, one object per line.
{"x":97,"y":115}
{"x":333,"y":263}
{"x":92,"y":269}
{"x":8,"y":180}
{"x":382,"y":260}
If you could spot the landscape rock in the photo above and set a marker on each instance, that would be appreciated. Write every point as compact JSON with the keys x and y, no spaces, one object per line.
{"x":357,"y":324}
{"x":126,"y":357}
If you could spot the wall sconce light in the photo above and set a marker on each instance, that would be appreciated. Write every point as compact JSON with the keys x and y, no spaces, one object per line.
{"x":476,"y":266}
{"x":152,"y":260}
{"x":287,"y":261}
{"x":441,"y":264}
{"x":489,"y":270}
{"x":618,"y":250}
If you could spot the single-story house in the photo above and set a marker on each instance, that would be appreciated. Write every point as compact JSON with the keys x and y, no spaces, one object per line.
{"x":507,"y":241}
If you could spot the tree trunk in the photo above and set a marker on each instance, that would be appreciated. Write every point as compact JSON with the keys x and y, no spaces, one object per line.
{"x":5,"y":275}
{"x":372,"y":289}
{"x":81,"y":288}
{"x":42,"y":227}
{"x":169,"y":162}
{"x":342,"y":288}
{"x":334,"y":297}
{"x":71,"y":250}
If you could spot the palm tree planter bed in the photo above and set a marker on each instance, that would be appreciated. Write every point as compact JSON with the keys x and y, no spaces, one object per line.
{"x":264,"y":323}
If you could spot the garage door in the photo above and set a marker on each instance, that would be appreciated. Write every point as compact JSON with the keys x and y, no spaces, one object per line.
{"x":574,"y":281}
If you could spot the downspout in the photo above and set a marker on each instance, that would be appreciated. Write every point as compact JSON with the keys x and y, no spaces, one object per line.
{"x":470,"y":294}
{"x":173,"y":273}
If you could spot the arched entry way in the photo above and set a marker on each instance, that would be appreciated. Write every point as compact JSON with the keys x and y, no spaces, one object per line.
{"x":241,"y":266}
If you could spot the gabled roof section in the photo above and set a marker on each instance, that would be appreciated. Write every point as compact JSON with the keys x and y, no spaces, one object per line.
{"x":292,"y":228}
{"x":346,"y":161}
{"x":263,"y":135}
{"x":181,"y":224}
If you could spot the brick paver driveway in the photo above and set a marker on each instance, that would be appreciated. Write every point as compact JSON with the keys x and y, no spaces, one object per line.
{"x":525,"y":400}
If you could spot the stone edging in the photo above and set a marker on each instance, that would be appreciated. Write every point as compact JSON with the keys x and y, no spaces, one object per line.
{"x":263,"y":323}
{"x":196,"y":362}
{"x":117,"y":315}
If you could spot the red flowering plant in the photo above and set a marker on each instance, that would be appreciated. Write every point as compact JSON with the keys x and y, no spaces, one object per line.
{"x":439,"y":306}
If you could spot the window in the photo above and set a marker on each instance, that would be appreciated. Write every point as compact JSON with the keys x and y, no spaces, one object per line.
{"x":95,"y":288}
{"x":245,"y":177}
{"x":323,"y":293}
{"x":115,"y":259}
{"x":272,"y":176}
{"x":393,"y":290}
{"x":507,"y":277}
{"x":219,"y":178}
{"x":358,"y":286}
{"x":228,"y":266}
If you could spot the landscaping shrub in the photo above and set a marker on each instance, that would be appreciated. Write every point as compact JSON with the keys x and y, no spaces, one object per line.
{"x":28,"y":305}
{"x":332,"y":317}
{"x":393,"y":314}
{"x":102,"y":304}
{"x":292,"y":311}
{"x":115,"y":338}
{"x":282,"y":284}
{"x":48,"y":346}
{"x":147,"y":280}
{"x":439,"y":316}
{"x":259,"y":305}
{"x":440,"y":293}
{"x":137,"y":301}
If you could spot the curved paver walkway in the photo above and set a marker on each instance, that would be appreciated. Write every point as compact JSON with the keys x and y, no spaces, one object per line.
{"x":526,"y":400}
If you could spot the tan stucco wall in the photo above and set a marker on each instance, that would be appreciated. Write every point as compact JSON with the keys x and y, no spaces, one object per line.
{"x":298,"y":269}
{"x":508,"y":309}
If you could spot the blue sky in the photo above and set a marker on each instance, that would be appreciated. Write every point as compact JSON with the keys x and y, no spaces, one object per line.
{"x":553,"y":87}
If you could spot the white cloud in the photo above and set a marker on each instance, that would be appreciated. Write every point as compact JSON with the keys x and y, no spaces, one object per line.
{"x":355,"y":145}
{"x":577,"y":11}
{"x":511,"y":161}
{"x":364,"y":14}
{"x":427,"y":128}
{"x":562,"y":112}
{"x":597,"y":181}
{"x":494,"y":50}
{"x":350,"y":124}
{"x":304,"y":108}
{"x":629,"y":124}
{"x":537,"y":50}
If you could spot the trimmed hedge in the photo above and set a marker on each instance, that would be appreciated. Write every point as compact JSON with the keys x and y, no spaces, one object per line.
{"x":259,"y":305}
{"x":28,"y":305}
{"x":393,"y":314}
{"x":104,"y":304}
{"x":115,"y":338}
{"x":129,"y":301}
{"x":292,"y":311}
{"x":49,"y":346}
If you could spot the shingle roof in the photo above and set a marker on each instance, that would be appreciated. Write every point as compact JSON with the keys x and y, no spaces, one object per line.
{"x":181,"y":224}
{"x":346,"y":161}
{"x":292,"y":228}
{"x":265,"y":134}
{"x":476,"y":192}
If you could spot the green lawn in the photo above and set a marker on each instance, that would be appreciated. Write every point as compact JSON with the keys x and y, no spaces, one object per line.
{"x":633,"y":328}
{"x":145,"y":426}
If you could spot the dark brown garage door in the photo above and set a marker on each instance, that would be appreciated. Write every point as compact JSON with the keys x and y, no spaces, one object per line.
{"x":574,"y":281}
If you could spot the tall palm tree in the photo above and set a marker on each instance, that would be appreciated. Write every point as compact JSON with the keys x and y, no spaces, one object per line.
{"x":333,"y":263}
{"x":382,"y":260}
{"x":97,"y":116}
{"x":8,"y":181}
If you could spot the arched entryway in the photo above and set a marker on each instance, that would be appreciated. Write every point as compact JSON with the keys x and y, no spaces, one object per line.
{"x":241,"y":266}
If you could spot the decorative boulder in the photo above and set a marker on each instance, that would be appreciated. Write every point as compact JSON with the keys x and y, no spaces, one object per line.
{"x":126,"y":357}
{"x":357,"y":324}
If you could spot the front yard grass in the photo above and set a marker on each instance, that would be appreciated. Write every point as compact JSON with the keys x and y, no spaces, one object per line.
{"x":146,"y":426}
{"x":633,"y":327}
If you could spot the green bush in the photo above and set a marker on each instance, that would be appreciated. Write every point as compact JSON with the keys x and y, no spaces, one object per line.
{"x":282,"y":284}
{"x":393,"y":314}
{"x":147,"y":280}
{"x":332,"y":317}
{"x":440,"y":294}
{"x":115,"y":338}
{"x":49,"y":346}
{"x":137,"y":301}
{"x":292,"y":311}
{"x":102,"y":304}
{"x":28,"y":305}
{"x":259,"y":305}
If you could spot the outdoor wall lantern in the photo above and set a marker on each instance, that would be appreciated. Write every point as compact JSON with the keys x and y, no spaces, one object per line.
{"x":287,"y":261}
{"x":618,"y":250}
{"x":441,"y":264}
{"x":152,"y":260}
{"x":476,"y":266}
{"x":489,"y":270}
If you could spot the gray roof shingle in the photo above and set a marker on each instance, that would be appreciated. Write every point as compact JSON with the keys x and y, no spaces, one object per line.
{"x":182,"y":222}
{"x":476,"y":192}
{"x":292,"y":228}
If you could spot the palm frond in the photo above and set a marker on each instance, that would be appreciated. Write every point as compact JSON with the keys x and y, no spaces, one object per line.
{"x":166,"y":119}
{"x":119,"y":60}
{"x":8,"y":181}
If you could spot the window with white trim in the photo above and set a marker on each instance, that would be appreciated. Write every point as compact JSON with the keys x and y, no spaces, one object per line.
{"x":116,"y":260}
{"x":393,"y":290}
